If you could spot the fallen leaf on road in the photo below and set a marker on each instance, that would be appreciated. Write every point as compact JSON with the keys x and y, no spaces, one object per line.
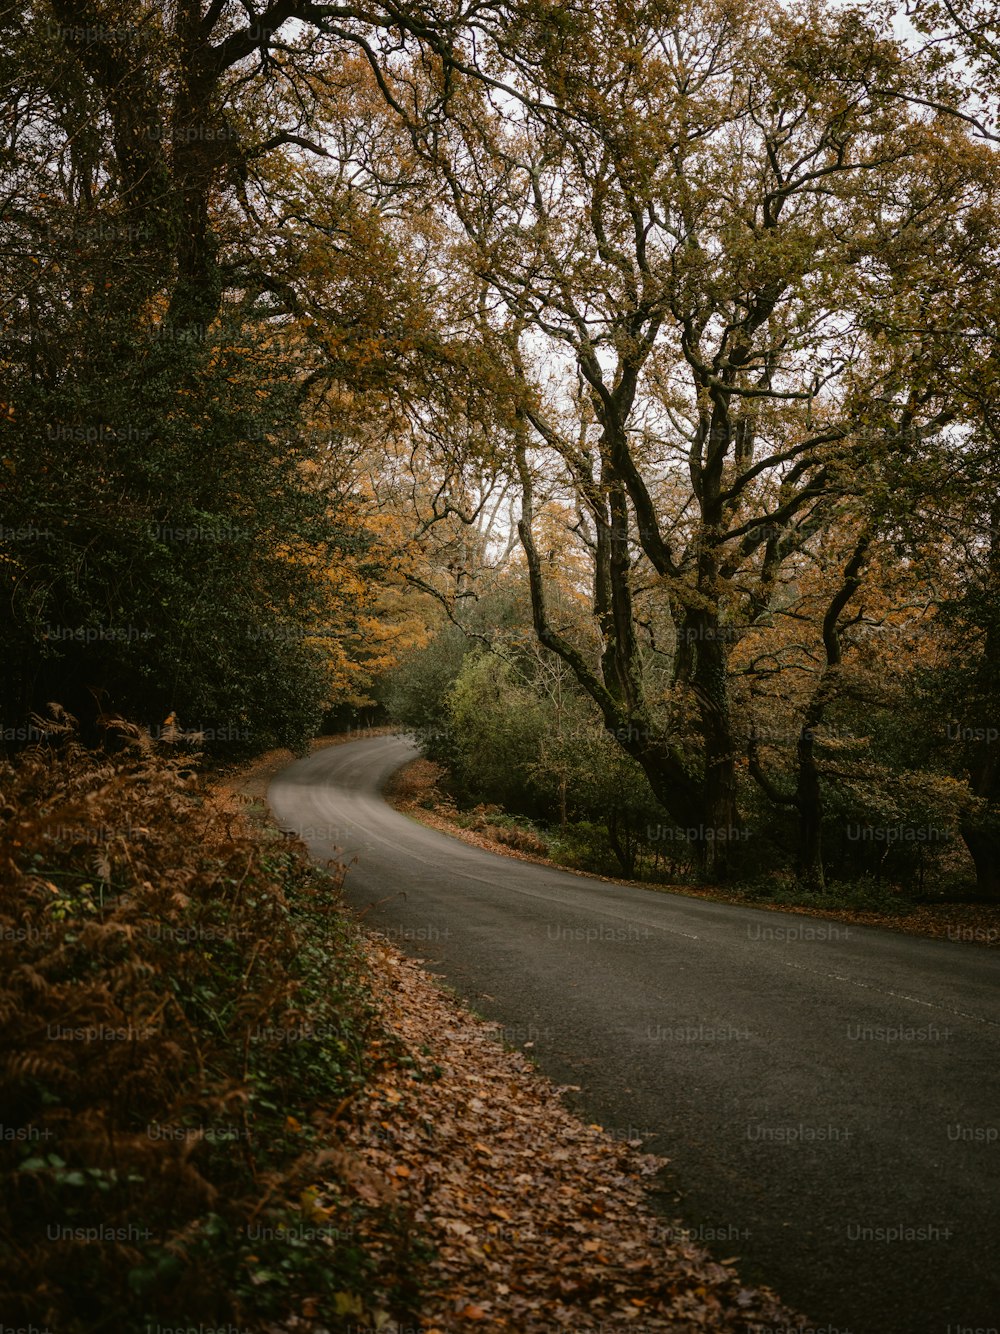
{"x":546,"y":1218}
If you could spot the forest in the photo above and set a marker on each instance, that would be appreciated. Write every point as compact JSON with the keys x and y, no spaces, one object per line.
{"x":604,"y":392}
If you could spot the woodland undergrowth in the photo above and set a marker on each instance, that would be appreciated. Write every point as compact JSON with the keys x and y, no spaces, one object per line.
{"x":184,"y":1016}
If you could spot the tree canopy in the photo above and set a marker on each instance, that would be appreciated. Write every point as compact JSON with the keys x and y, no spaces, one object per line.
{"x":661,"y":333}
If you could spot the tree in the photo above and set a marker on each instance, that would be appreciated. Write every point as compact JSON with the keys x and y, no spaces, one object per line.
{"x":169,"y":524}
{"x":964,"y":39}
{"x":686,"y":220}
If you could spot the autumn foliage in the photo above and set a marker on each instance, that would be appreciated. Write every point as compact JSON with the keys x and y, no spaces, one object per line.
{"x":184,"y":1013}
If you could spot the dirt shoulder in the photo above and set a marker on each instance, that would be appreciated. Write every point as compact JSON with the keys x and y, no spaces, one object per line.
{"x":415,"y":785}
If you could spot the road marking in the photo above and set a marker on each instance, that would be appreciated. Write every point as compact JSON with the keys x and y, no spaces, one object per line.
{"x":896,"y":995}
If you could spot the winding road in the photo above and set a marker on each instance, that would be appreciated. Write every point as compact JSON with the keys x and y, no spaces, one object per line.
{"x":827,"y":1094}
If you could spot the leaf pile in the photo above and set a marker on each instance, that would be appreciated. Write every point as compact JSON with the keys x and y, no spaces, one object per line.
{"x":540,"y":1223}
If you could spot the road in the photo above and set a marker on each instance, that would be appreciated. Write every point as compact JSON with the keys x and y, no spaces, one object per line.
{"x":827,"y":1094}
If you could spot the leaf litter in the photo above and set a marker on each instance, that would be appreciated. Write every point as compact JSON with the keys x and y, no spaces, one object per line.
{"x":539,"y":1223}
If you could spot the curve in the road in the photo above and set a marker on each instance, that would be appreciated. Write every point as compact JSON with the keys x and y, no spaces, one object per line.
{"x":827,"y":1094}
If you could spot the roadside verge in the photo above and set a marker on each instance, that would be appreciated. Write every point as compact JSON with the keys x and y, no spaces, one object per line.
{"x":413,"y":790}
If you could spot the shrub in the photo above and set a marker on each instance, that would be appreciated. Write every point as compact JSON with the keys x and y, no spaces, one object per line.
{"x":183,"y":1006}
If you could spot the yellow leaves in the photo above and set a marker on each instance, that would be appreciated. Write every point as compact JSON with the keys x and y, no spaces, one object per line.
{"x":347,"y":580}
{"x":309,"y":1197}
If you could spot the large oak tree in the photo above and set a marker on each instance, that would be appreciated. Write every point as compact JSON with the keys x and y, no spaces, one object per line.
{"x":689,"y":220}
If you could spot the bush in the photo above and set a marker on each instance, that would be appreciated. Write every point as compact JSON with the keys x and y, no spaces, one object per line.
{"x":182,"y":1005}
{"x":584,"y":846}
{"x":148,"y":580}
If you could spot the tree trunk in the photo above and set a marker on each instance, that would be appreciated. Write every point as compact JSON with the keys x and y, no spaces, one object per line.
{"x":809,"y":802}
{"x":982,"y":835}
{"x":982,"y":757}
{"x":984,"y":849}
{"x":720,"y":828}
{"x":809,"y":792}
{"x":625,"y":852}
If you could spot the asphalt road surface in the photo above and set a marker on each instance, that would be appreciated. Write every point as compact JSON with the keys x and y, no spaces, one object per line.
{"x":827,"y":1094}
